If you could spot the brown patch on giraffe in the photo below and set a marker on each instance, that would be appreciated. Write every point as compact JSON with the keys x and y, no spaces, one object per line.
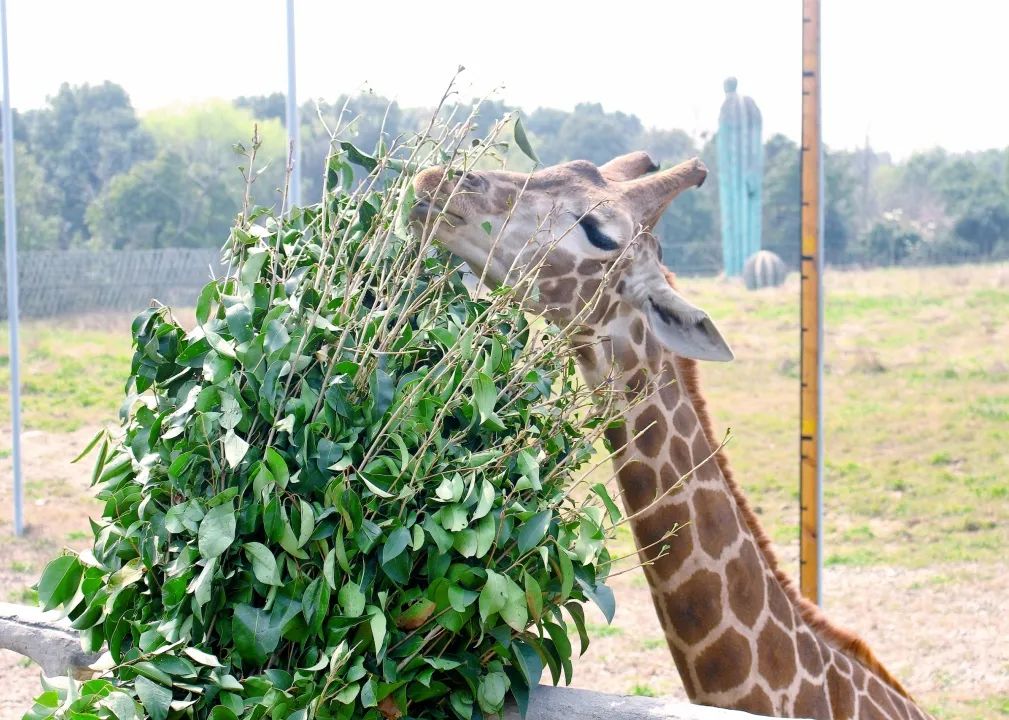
{"x":558,"y":292}
{"x":810,"y":702}
{"x":650,"y":428}
{"x":612,"y":312}
{"x":589,"y":288}
{"x":868,"y":710}
{"x":625,"y":353}
{"x":858,"y":676}
{"x":653,"y":352}
{"x":557,"y":264}
{"x":775,"y":656}
{"x":683,"y":667}
{"x":586,"y":356}
{"x":695,"y":608}
{"x":684,"y":421}
{"x":651,"y":532}
{"x":590,"y":267}
{"x":637,"y":330}
{"x":679,"y":454}
{"x":842,"y":697}
{"x":756,"y":702}
{"x":716,"y":522}
{"x":638,"y":481}
{"x":745,"y":581}
{"x":882,"y":696}
{"x":809,"y":653}
{"x":617,"y":437}
{"x":599,"y":311}
{"x":669,"y":389}
{"x":669,"y":478}
{"x":725,"y":664}
{"x":842,"y":663}
{"x":636,"y":384}
{"x":707,"y":469}
{"x":778,"y":603}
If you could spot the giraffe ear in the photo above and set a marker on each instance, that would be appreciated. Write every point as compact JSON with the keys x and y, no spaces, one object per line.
{"x":684,"y":328}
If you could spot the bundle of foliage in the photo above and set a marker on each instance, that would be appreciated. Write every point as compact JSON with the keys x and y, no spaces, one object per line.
{"x":348,"y":491}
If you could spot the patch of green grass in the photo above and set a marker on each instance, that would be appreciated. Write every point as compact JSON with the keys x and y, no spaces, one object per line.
{"x":601,"y":631}
{"x":643,"y":691}
{"x":992,"y":408}
{"x":70,"y":377}
{"x":658,"y":643}
{"x":916,"y":455}
{"x":77,"y":536}
{"x":24,"y":596}
{"x":20,"y":567}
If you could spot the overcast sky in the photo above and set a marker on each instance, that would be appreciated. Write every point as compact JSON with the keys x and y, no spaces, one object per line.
{"x":909,"y":74}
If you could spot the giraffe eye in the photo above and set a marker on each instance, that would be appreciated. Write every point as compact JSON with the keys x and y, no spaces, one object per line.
{"x":596,"y":236}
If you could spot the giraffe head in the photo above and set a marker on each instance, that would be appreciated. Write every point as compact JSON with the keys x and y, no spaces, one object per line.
{"x":578,"y":238}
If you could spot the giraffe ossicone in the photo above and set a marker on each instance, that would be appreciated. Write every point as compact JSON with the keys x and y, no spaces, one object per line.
{"x":575,"y":242}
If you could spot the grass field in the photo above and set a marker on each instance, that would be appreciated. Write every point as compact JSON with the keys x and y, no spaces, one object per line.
{"x":917,"y":469}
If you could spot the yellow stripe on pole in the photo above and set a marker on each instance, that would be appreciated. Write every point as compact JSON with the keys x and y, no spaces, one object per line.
{"x":811,"y":311}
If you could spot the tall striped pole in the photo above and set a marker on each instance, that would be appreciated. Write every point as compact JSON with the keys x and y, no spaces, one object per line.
{"x":11,"y":254}
{"x":811,"y":325}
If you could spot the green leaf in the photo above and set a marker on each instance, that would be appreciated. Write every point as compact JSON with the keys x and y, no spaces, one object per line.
{"x":256,"y":633}
{"x":534,"y":596}
{"x":204,"y":658}
{"x":59,"y":581}
{"x":491,"y":692}
{"x":307,"y":524}
{"x":602,"y":596}
{"x":155,"y":698}
{"x":533,"y":530}
{"x":514,"y":611}
{"x":235,"y":448}
{"x":522,"y":140}
{"x":493,"y":596}
{"x":377,"y":622}
{"x":611,"y":508}
{"x":202,"y":584}
{"x":264,"y":563}
{"x":252,"y":266}
{"x":395,"y":544}
{"x":484,"y":396}
{"x":278,"y":468}
{"x":351,"y":599}
{"x":217,"y":531}
{"x":277,"y":337}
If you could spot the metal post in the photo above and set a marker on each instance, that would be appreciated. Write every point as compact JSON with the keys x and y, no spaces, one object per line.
{"x":811,"y":327}
{"x":11,"y":249}
{"x":293,"y":141}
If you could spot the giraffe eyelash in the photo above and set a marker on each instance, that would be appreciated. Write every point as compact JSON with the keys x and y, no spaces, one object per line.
{"x":596,"y":236}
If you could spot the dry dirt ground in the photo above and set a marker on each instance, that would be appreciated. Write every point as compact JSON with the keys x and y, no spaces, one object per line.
{"x":943,"y":629}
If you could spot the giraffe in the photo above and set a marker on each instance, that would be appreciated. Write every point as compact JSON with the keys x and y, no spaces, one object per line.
{"x":579,"y":236}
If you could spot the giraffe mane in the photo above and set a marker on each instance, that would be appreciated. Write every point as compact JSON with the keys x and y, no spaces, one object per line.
{"x":844,"y":640}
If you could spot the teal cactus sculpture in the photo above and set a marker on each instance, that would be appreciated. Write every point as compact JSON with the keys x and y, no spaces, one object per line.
{"x":740,"y":175}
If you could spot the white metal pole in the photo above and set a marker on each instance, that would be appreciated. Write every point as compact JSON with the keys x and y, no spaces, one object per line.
{"x":293,"y":140}
{"x":11,"y":249}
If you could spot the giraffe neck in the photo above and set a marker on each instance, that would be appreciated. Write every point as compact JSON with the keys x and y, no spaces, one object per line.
{"x":740,"y":635}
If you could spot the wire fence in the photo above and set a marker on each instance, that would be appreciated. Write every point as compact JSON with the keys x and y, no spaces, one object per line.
{"x":54,"y":283}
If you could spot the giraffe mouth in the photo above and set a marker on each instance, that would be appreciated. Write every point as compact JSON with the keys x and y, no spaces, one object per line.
{"x":425,"y":211}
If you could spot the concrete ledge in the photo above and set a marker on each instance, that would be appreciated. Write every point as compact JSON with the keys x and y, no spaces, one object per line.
{"x":561,"y":703}
{"x":53,"y":644}
{"x":56,"y":647}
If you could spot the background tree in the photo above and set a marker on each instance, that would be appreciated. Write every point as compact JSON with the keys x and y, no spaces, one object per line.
{"x":85,"y":136}
{"x":38,"y":225}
